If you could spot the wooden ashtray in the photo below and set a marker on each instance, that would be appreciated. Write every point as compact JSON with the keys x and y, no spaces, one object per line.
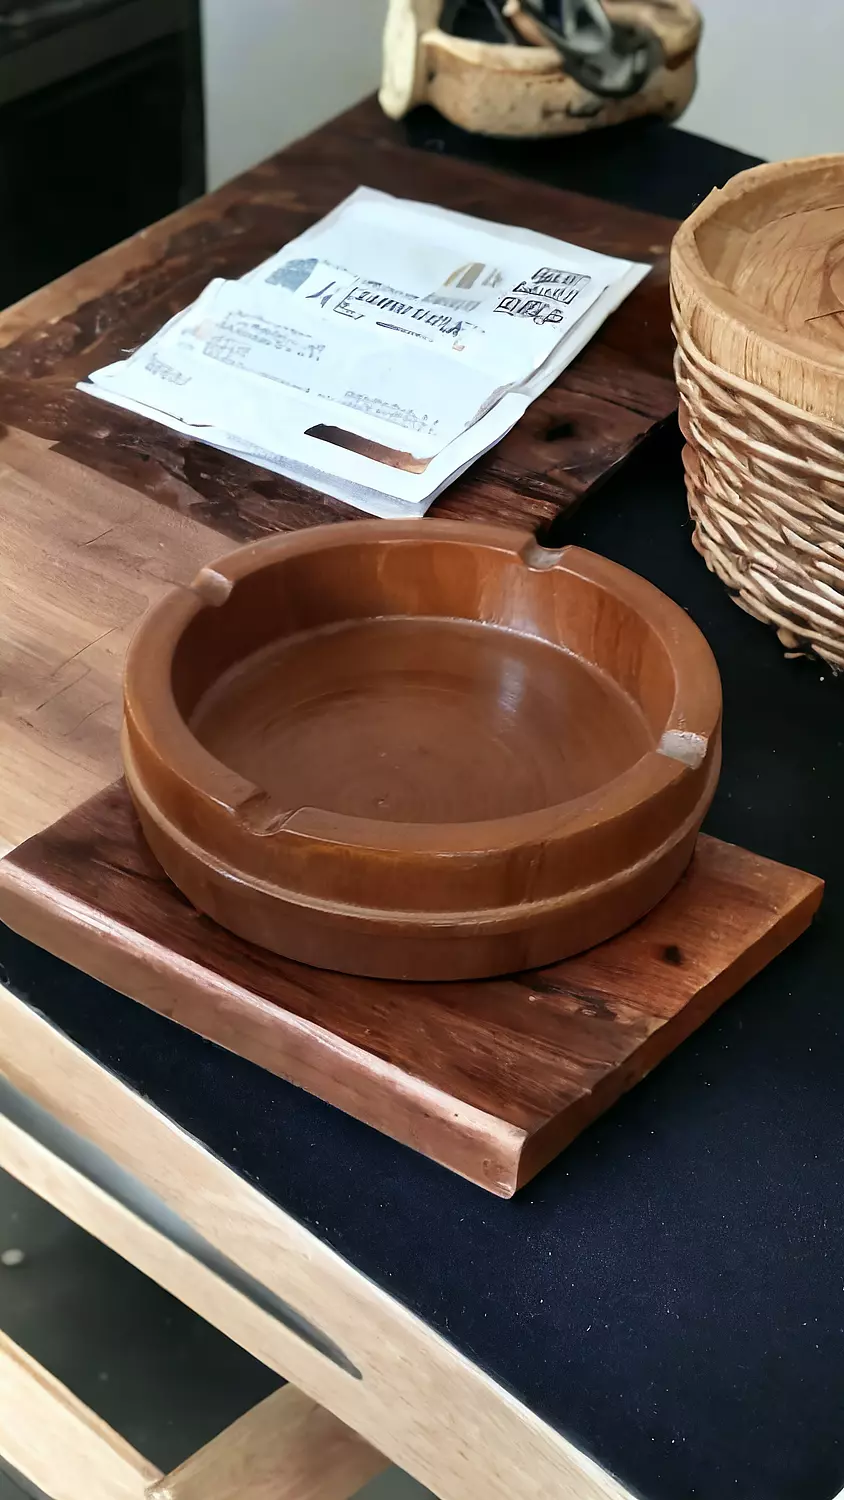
{"x":420,"y":750}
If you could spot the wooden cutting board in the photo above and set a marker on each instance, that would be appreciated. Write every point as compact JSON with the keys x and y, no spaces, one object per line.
{"x":591,"y":419}
{"x":491,"y":1078}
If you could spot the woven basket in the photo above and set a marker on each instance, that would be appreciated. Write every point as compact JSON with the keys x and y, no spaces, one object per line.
{"x":757,"y":290}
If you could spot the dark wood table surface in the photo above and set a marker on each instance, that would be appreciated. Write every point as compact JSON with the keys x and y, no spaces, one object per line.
{"x":669,"y":1293}
{"x":118,"y":505}
{"x":589,"y":419}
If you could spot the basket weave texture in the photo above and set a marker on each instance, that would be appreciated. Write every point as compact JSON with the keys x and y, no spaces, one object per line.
{"x":765,"y":483}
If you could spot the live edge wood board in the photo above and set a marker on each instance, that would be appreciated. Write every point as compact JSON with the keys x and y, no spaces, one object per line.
{"x":579,"y":429}
{"x":491,"y":1078}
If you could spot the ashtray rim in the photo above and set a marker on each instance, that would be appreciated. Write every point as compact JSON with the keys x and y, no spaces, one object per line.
{"x":689,"y":730}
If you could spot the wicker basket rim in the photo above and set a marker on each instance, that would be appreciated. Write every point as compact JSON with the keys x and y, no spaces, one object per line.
{"x":690,"y":280}
{"x":742,"y":386}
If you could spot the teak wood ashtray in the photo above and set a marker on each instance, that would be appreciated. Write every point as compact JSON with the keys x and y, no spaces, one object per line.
{"x":421,"y":750}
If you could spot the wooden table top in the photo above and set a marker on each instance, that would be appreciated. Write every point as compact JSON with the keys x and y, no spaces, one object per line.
{"x":678,"y":1266}
{"x":668,"y":1294}
{"x":101,"y":511}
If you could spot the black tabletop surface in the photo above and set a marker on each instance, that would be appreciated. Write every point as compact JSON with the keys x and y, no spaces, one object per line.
{"x":670,"y":1292}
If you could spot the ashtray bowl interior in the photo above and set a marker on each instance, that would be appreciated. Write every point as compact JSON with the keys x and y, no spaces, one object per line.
{"x":417,"y":722}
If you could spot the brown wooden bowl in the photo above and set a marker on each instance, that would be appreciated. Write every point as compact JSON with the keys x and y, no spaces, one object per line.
{"x":420,"y":750}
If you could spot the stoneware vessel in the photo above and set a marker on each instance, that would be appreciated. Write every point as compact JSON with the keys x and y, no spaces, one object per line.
{"x":504,"y":90}
{"x":420,"y":749}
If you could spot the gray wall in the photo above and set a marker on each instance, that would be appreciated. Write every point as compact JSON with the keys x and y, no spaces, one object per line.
{"x":770,"y":73}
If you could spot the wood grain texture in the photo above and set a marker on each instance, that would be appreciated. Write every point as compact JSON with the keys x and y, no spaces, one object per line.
{"x":418,"y":1397}
{"x":491,"y":1078}
{"x":584,"y":424}
{"x":286,"y":1448}
{"x":59,"y":1444}
{"x":87,"y":549}
{"x":82,"y":558}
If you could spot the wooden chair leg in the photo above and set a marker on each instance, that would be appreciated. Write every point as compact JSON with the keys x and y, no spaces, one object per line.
{"x":57,"y":1443}
{"x":286,"y":1448}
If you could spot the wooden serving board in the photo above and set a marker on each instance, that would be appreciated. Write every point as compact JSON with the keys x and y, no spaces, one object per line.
{"x":586,"y":423}
{"x":491,"y":1078}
